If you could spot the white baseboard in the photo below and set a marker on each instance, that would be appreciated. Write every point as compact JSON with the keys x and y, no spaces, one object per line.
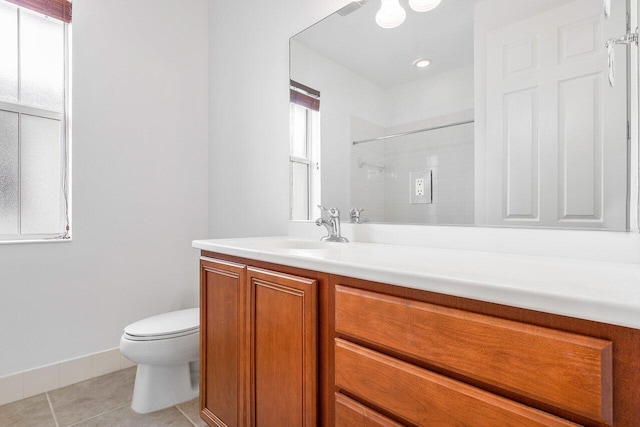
{"x":57,"y":375}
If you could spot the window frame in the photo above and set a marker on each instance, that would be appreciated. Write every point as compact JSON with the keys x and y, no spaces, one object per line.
{"x":311,"y":161}
{"x":65,"y":145}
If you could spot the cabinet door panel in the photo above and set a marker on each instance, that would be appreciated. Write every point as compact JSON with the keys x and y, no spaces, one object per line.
{"x":425,"y":398}
{"x":569,"y":371}
{"x":283,"y":348}
{"x":223,"y":355}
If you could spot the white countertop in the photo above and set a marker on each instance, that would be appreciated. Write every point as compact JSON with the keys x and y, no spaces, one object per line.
{"x":606,"y":292}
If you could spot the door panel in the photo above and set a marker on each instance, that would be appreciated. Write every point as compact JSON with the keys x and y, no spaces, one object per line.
{"x":223,"y":358}
{"x":283,"y":348}
{"x":556,"y":150}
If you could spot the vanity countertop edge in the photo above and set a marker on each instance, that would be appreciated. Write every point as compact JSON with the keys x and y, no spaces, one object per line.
{"x":606,"y":292}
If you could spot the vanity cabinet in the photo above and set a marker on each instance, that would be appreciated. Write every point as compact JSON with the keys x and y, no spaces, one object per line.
{"x":570,"y":371}
{"x":415,"y":357}
{"x":287,"y":346}
{"x":258,"y":346}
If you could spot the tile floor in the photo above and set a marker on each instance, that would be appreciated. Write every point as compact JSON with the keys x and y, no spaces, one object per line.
{"x":103,"y":401}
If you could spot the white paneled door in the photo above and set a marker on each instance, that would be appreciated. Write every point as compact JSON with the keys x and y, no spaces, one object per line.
{"x":556,"y":153}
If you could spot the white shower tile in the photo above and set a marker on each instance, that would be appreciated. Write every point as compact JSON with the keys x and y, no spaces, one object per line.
{"x":468,"y":209}
{"x":11,"y":388}
{"x":42,"y":379}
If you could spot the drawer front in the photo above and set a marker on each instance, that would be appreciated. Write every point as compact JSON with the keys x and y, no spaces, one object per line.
{"x":350,"y":413}
{"x":425,"y":398}
{"x":568,"y":371}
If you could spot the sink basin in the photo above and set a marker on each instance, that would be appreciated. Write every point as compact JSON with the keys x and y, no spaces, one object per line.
{"x":301,"y":244}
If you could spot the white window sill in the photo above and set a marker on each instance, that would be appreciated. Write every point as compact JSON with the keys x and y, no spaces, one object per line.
{"x":34,"y":240}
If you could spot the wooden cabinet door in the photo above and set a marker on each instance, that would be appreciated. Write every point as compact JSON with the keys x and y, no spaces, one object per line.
{"x":224,"y":364}
{"x":283,"y":348}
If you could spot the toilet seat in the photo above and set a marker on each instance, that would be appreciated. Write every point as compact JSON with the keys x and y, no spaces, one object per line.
{"x":159,"y":337}
{"x":165,"y":326}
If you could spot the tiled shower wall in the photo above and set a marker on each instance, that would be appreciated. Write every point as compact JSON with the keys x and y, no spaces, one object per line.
{"x":381,"y":172}
{"x":368,"y":171}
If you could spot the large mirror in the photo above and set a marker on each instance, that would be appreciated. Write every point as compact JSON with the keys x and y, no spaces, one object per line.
{"x":513,"y":122}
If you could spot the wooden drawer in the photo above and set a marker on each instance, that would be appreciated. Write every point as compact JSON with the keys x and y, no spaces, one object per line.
{"x":569,"y":371}
{"x":425,"y":398}
{"x":350,"y":413}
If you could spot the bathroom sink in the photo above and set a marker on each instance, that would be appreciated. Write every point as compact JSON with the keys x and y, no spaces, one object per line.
{"x":301,"y":244}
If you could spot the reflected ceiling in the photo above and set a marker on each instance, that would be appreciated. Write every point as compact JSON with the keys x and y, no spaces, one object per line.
{"x":384,"y":56}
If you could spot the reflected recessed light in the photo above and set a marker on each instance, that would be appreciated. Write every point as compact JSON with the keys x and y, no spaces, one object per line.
{"x":422,"y":62}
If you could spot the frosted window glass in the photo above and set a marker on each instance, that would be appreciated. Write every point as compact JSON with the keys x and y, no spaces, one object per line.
{"x":8,"y":172}
{"x":298,"y":131}
{"x":41,"y":61}
{"x":40,"y":173}
{"x":300,"y":191}
{"x":8,"y":52}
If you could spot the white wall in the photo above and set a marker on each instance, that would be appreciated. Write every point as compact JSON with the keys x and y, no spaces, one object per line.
{"x":249,"y":110}
{"x":140,"y":187}
{"x":435,"y":95}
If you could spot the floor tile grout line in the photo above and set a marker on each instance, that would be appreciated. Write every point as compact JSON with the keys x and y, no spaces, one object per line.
{"x":98,"y":415}
{"x":186,"y":416}
{"x":53,"y":413}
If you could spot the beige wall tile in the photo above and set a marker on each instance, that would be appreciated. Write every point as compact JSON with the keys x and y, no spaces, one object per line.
{"x":42,"y":379}
{"x":75,"y":370}
{"x":11,"y":388}
{"x":105,"y":362}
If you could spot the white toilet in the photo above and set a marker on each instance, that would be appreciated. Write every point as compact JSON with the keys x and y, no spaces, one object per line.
{"x":166,"y":349}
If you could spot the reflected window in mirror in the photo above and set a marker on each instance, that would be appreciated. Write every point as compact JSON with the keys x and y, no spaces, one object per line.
{"x":304,"y":155}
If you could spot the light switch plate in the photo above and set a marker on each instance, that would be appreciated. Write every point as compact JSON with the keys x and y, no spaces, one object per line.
{"x":420,"y":187}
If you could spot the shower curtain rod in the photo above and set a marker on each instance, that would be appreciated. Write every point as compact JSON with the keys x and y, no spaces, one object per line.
{"x":380,"y":138}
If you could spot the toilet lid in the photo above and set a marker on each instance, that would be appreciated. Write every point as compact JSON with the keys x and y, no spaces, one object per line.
{"x":179,"y":322}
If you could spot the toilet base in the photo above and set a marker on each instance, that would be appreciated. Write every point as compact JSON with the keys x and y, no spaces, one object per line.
{"x":161,"y":386}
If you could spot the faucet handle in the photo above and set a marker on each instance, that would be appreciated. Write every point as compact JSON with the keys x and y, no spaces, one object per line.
{"x":333,"y":212}
{"x":354,"y":213}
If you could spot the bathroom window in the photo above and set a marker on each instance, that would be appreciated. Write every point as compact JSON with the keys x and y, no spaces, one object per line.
{"x":34,"y":139}
{"x":304,"y":157}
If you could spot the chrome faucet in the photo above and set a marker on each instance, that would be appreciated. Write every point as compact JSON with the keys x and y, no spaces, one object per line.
{"x":332,"y":225}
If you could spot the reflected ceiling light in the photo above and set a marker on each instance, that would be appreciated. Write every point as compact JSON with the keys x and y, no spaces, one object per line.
{"x":422,"y":62}
{"x":391,"y":14}
{"x":423,"y":5}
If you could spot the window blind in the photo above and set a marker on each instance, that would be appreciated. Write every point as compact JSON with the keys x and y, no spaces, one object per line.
{"x":57,"y":9}
{"x":304,"y":96}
